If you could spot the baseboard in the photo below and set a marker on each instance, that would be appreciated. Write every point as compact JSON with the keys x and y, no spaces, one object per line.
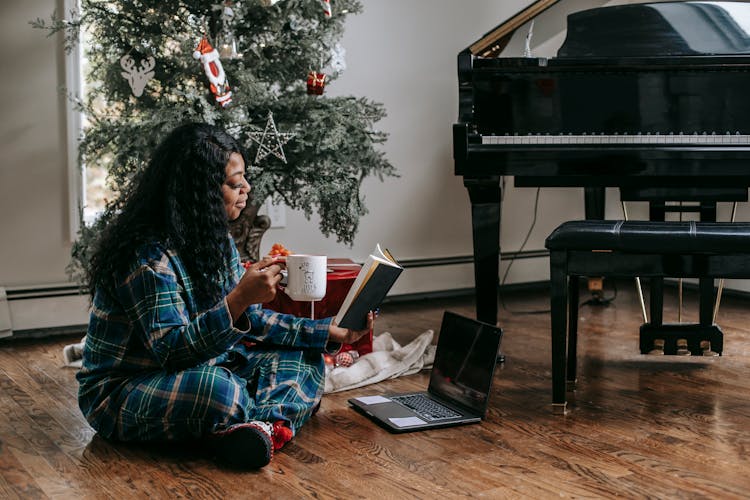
{"x":468,"y":259}
{"x":46,"y":310}
{"x":531,"y":286}
{"x":35,"y":333}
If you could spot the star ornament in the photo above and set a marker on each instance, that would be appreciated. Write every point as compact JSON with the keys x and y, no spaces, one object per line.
{"x":270,"y":141}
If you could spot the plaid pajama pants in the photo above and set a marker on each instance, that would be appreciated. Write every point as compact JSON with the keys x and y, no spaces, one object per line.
{"x":254,"y":384}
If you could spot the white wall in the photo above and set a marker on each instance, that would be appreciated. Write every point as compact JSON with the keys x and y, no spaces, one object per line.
{"x":34,"y":246}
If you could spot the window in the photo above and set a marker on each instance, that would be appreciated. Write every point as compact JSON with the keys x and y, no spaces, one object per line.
{"x":86,"y":185}
{"x":73,"y":81}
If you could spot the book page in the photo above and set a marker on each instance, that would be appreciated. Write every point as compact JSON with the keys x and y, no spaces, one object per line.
{"x":363,"y":275}
{"x":385,"y":256}
{"x":368,"y":268}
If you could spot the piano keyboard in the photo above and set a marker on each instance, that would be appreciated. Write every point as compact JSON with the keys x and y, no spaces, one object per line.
{"x":608,"y":139}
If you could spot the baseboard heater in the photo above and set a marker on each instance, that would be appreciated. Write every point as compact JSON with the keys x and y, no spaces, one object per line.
{"x":41,"y":311}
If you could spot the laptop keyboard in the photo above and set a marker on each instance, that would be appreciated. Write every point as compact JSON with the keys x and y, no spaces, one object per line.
{"x":425,"y":407}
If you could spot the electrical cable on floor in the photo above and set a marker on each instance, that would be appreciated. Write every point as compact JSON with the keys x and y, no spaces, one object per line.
{"x":510,"y":263}
{"x":594,"y":300}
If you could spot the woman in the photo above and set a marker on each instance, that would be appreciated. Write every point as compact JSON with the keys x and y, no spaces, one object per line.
{"x":178,"y":346}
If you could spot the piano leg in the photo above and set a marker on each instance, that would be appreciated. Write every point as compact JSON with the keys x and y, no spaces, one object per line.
{"x":593,"y":202}
{"x":485,"y":194}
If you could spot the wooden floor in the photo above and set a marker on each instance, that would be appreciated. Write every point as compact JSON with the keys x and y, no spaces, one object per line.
{"x":639,"y":426}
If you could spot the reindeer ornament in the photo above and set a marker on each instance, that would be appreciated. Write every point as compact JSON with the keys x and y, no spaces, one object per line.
{"x":137,"y":77}
{"x":209,"y":58}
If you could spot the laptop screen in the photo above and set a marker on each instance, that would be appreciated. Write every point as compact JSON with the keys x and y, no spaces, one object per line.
{"x":465,"y":361}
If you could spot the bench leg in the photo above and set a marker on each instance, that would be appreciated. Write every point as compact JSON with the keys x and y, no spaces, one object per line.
{"x":573,"y":295}
{"x":558,"y":315}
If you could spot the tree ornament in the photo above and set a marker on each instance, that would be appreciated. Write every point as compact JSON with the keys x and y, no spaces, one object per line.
{"x":218,"y":84}
{"x":326,"y":7}
{"x":137,"y":77}
{"x":316,"y":83}
{"x":270,"y":134}
{"x":227,"y":42}
{"x":346,"y":358}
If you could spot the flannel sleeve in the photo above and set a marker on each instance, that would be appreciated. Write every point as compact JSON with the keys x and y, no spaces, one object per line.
{"x":153,"y":302}
{"x":270,"y":327}
{"x":285,"y":330}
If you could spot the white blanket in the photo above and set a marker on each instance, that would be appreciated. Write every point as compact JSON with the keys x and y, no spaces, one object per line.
{"x":387,"y":360}
{"x":73,"y":354}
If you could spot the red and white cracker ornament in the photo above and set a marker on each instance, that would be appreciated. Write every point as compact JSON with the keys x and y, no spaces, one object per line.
{"x":326,"y":7}
{"x":209,"y":58}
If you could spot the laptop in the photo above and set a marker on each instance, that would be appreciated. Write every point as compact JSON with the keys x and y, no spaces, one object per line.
{"x":460,"y":381}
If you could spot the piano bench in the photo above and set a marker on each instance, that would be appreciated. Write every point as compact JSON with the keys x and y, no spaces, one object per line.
{"x":653,"y":249}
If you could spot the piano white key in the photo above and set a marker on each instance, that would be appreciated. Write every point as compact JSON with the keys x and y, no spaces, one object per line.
{"x":645,"y":139}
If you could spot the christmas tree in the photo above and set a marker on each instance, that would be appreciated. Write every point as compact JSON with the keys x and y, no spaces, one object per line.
{"x":258,"y":68}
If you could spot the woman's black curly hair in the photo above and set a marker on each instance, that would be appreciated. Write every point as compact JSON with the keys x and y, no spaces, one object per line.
{"x":175,"y":201}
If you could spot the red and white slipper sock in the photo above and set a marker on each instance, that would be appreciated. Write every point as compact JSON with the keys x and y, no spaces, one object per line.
{"x":248,"y":445}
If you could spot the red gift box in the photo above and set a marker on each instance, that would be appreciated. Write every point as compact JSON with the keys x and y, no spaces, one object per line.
{"x":316,"y":82}
{"x":341,"y":276}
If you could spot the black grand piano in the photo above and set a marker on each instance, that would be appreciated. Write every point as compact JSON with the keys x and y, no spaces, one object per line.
{"x":651,"y":98}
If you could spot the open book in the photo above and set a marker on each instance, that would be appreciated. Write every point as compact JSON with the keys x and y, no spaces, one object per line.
{"x":375,"y":279}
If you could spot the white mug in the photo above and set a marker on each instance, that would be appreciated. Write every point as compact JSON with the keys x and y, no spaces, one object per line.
{"x":307,"y":277}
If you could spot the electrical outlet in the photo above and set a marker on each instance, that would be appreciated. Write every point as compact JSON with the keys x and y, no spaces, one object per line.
{"x":277,"y":213}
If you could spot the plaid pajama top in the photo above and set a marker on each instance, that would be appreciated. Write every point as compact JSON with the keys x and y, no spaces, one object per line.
{"x":150,"y":324}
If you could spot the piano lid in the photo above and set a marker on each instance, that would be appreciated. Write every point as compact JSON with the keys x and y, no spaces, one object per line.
{"x":659,"y":29}
{"x":493,"y":42}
